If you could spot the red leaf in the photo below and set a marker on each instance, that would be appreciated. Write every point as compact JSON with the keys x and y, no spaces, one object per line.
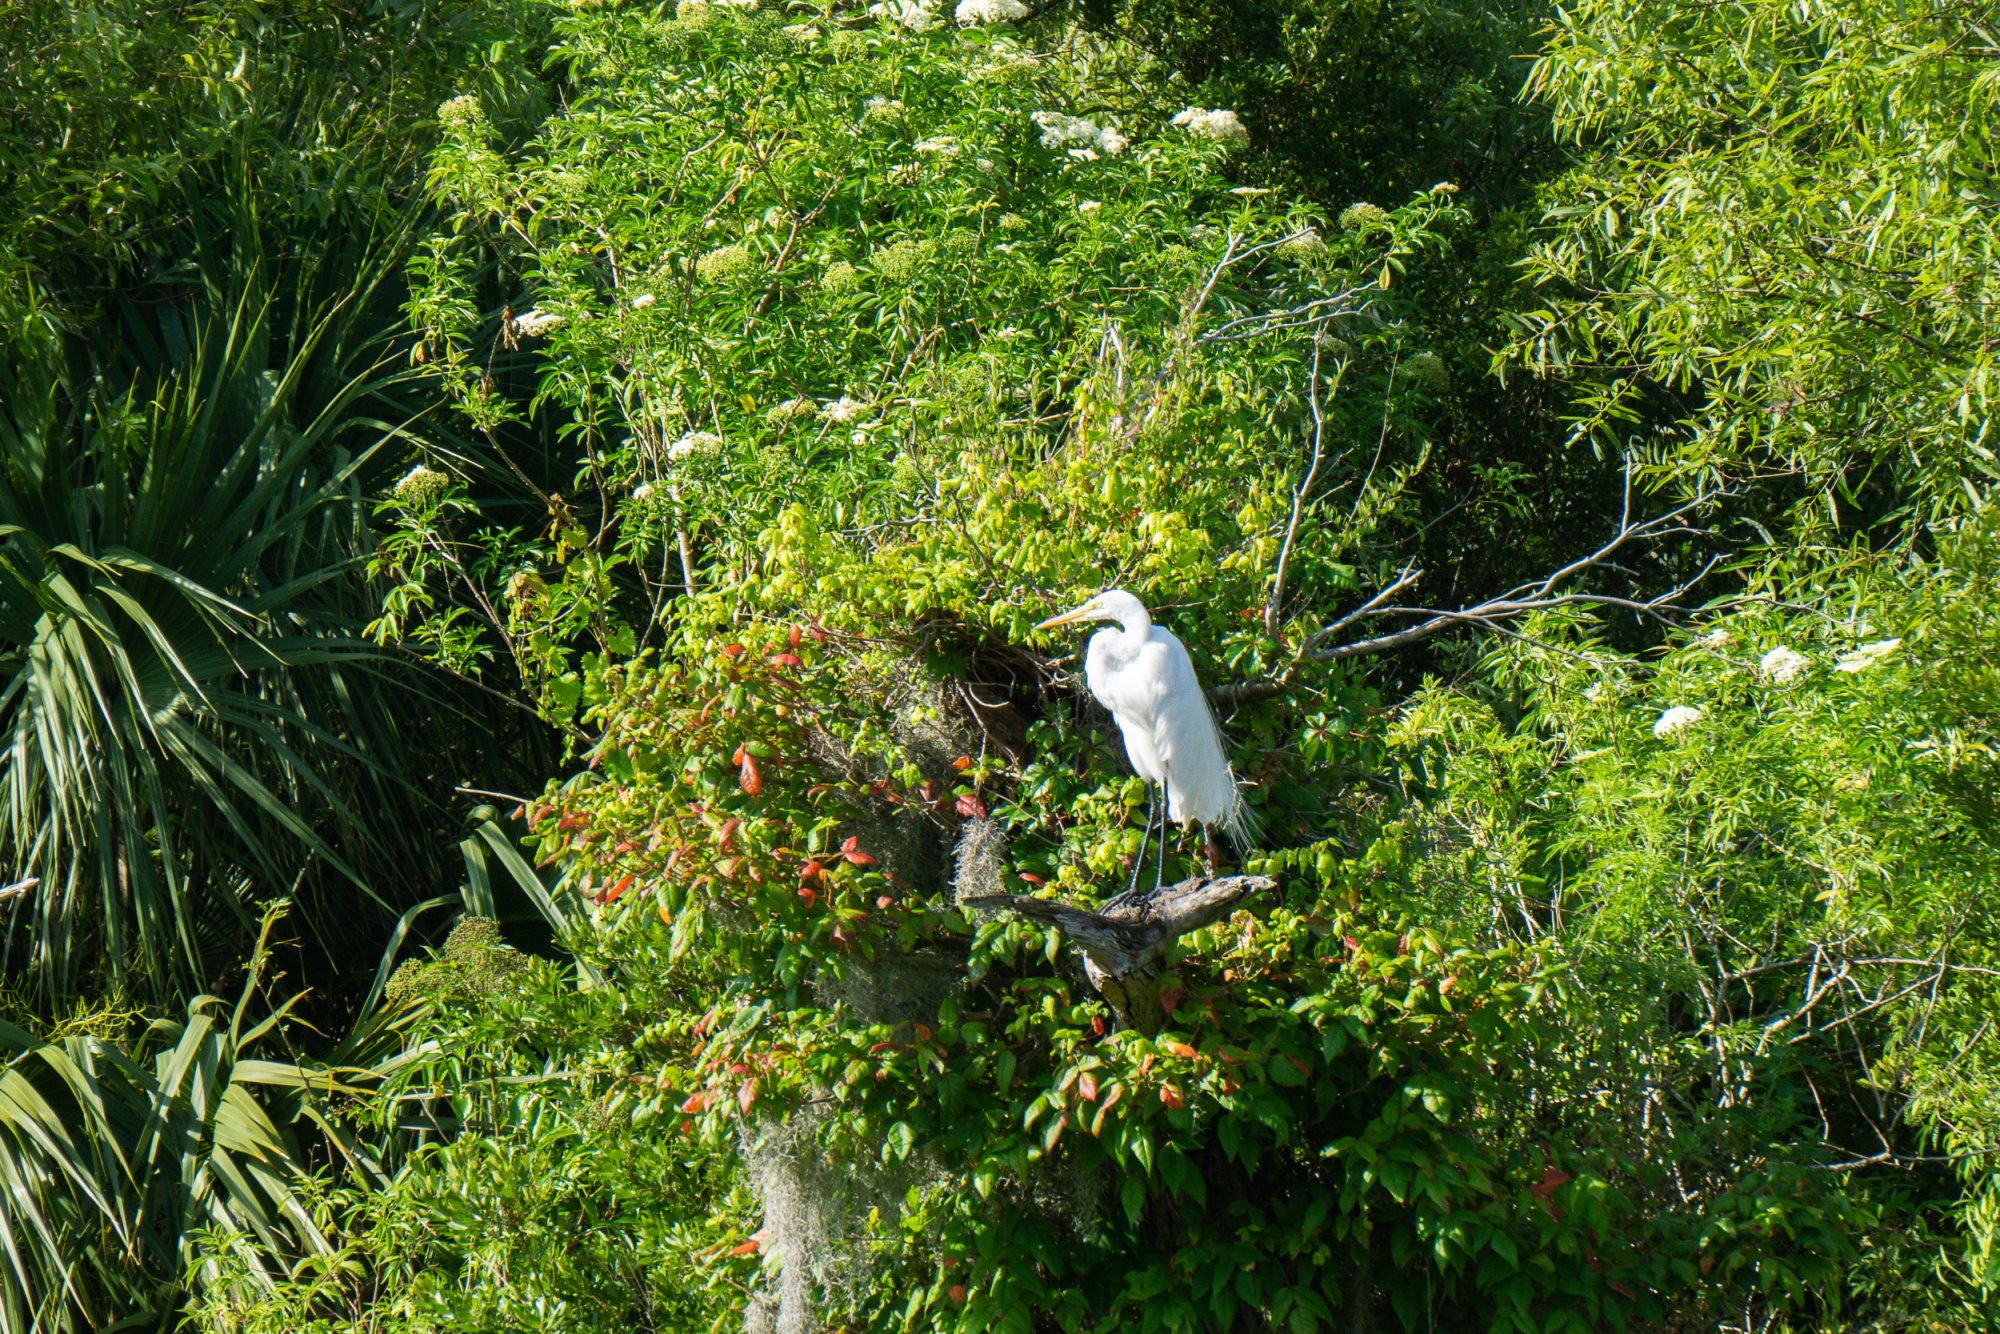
{"x":883,"y":900}
{"x":574,"y":820}
{"x":738,"y":1068}
{"x":737,"y":758}
{"x":1170,"y":998}
{"x":1086,"y":1087}
{"x":842,"y":937}
{"x":624,"y":883}
{"x":747,"y":1248}
{"x":733,"y":651}
{"x":786,"y":660}
{"x":850,"y":849}
{"x":747,"y":1094}
{"x":729,"y":828}
{"x":971,"y":807}
{"x":818,"y":634}
{"x":1179,"y":1049}
{"x":1551,"y":1179}
{"x":794,"y":637}
{"x":749,"y":777}
{"x":957,"y":1293}
{"x":1034,"y":880}
{"x":1171,"y":1096}
{"x":1097,"y":1024}
{"x":696,"y":1102}
{"x":923,"y":1032}
{"x":962,"y":763}
{"x":880,"y":1047}
{"x":812,"y":870}
{"x":807,"y":893}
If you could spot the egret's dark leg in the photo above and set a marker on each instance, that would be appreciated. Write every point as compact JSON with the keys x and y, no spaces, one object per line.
{"x":1144,"y":835}
{"x":1160,"y":867}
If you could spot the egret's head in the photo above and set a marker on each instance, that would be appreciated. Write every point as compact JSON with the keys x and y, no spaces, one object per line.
{"x":1114,"y":605}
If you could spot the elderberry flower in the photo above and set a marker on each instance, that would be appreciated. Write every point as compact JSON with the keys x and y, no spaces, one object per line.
{"x":1676,"y":718}
{"x":1224,"y":127}
{"x":1782,"y":666}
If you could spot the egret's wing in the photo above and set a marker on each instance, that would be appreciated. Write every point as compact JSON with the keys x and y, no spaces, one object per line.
{"x":1199,"y":783}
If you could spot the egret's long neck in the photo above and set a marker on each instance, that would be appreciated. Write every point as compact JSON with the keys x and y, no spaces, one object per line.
{"x":1136,"y":625}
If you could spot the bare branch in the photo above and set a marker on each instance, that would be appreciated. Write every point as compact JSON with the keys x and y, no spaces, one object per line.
{"x":1124,"y":942}
{"x":1536,"y":595}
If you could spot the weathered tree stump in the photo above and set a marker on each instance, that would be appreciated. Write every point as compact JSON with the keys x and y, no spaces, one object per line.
{"x":1124,"y":941}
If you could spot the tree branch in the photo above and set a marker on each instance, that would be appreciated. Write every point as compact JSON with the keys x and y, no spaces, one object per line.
{"x":1124,"y":942}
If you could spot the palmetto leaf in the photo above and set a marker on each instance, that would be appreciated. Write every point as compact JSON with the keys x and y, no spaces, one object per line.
{"x":191,"y":720}
{"x":111,"y":1161}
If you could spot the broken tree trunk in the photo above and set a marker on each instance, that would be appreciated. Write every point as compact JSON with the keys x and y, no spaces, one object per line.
{"x":1124,"y":942}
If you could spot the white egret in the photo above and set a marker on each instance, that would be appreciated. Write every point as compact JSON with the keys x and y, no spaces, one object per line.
{"x":1142,"y":673}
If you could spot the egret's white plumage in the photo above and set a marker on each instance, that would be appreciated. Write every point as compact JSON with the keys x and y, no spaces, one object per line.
{"x":1143,"y":675}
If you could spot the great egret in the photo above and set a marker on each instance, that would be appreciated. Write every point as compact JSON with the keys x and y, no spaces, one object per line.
{"x":1143,"y":675}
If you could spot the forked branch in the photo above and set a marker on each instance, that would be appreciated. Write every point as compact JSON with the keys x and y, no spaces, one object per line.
{"x":1124,"y":942}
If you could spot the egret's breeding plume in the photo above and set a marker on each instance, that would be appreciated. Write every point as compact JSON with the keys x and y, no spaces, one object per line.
{"x":1143,"y":675}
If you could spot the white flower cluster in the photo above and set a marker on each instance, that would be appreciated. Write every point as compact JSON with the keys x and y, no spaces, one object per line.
{"x":971,"y":13}
{"x":843,"y":410}
{"x":1301,"y":244}
{"x":461,"y":110}
{"x":643,"y":300}
{"x":944,"y":146}
{"x":1861,"y":659}
{"x":882,"y":108}
{"x":723,"y":263}
{"x":420,"y":486}
{"x":1782,"y":665}
{"x":694,"y":442}
{"x":790,"y":408}
{"x":643,"y":491}
{"x":1717,"y":638}
{"x":1084,"y":139}
{"x":1222,"y":126}
{"x":535,"y":323}
{"x":1676,"y":718}
{"x":916,"y":16}
{"x":1089,"y":206}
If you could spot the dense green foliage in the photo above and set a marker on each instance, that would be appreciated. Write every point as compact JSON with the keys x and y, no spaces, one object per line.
{"x":734,"y":387}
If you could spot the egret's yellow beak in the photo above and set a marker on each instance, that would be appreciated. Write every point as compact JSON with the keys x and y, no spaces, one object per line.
{"x":1083,"y":613}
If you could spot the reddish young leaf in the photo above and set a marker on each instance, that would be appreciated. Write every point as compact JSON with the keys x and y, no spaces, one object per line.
{"x":1086,"y":1087}
{"x":624,"y":883}
{"x":962,"y":763}
{"x":1170,"y":998}
{"x":957,"y":1294}
{"x":746,"y":1094}
{"x":785,"y":660}
{"x":810,"y":895}
{"x":749,"y":777}
{"x":794,"y":637}
{"x":1097,"y":1024}
{"x":1032,"y":879}
{"x":971,"y":807}
{"x":729,"y":828}
{"x":1551,"y":1179}
{"x":812,"y":870}
{"x":737,"y":758}
{"x":1179,"y":1049}
{"x":1171,"y":1096}
{"x":733,"y":651}
{"x":749,"y":1247}
{"x":842,"y":937}
{"x":696,"y":1102}
{"x":850,"y":849}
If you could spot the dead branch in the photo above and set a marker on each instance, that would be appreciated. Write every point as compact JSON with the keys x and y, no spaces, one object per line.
{"x":1124,"y":942}
{"x":1539,"y":595}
